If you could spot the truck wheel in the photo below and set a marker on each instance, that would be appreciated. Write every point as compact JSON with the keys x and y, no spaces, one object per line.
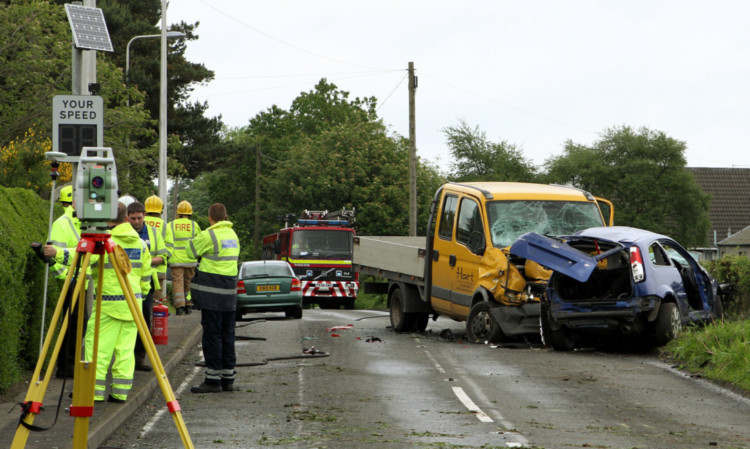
{"x":480,"y":326}
{"x":400,"y":321}
{"x":420,"y":321}
{"x":667,"y":324}
{"x":349,"y":303}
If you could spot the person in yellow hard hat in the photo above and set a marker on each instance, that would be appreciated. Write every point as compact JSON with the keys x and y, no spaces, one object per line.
{"x":182,"y":230}
{"x":65,"y":233}
{"x":154,"y":207}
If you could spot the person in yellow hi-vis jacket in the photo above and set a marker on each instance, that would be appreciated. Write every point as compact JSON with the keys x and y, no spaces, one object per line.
{"x":118,"y":331}
{"x":214,"y":290}
{"x":65,"y":233}
{"x":154,"y":207}
{"x":182,"y":265}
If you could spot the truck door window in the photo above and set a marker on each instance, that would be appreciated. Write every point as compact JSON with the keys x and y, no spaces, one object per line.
{"x":447,"y":217}
{"x":469,"y":221}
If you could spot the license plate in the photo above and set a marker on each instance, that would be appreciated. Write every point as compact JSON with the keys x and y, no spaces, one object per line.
{"x":267,"y":288}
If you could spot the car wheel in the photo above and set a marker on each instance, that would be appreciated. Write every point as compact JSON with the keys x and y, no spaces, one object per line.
{"x":480,"y":326}
{"x":293,"y":312}
{"x":559,"y":339}
{"x":420,"y":321}
{"x":400,"y":320}
{"x":667,"y":324}
{"x":237,"y":316}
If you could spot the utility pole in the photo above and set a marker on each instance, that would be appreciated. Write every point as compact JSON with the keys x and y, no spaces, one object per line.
{"x":412,"y":154}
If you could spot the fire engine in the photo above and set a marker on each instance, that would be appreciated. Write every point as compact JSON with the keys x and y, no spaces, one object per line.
{"x":319,"y":248}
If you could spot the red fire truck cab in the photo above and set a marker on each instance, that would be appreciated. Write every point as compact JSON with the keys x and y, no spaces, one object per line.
{"x":319,"y":249}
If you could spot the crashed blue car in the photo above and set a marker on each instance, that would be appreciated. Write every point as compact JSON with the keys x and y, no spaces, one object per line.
{"x":618,"y":281}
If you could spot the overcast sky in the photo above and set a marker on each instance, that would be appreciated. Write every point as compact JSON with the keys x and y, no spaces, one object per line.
{"x":533,"y":73}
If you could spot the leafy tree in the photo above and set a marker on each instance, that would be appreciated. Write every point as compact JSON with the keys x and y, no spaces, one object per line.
{"x":35,"y":66}
{"x":478,"y":159}
{"x":643,"y":173}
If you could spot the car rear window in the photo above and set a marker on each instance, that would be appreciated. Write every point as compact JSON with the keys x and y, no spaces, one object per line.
{"x":263,"y":270}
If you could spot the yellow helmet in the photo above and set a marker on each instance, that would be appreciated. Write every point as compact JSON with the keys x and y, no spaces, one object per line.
{"x":184,"y":208}
{"x":154,"y":204}
{"x":66,"y":194}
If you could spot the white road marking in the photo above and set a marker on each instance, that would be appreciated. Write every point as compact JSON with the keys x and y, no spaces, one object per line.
{"x":157,"y":416}
{"x":434,"y":362}
{"x":469,"y":404}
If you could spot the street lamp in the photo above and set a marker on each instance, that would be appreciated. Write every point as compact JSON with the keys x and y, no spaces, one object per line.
{"x":170,"y":35}
{"x":162,"y":100}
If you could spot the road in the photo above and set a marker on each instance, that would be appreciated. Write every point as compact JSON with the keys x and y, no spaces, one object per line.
{"x":435,"y":390}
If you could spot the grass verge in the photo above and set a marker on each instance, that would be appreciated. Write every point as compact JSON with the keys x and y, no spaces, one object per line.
{"x":719,"y":352}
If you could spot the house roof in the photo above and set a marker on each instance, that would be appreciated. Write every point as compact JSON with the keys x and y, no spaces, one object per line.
{"x":730,"y":199}
{"x":741,"y":238}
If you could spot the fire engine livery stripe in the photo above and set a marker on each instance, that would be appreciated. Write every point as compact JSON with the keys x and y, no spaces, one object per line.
{"x":320,"y":262}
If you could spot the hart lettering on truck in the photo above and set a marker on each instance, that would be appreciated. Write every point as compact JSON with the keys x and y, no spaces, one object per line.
{"x":319,"y":248}
{"x":463,"y":268}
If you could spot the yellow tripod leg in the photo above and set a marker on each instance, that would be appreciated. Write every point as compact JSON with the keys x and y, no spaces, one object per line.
{"x":172,"y":405}
{"x":38,"y":387}
{"x":84,"y":376}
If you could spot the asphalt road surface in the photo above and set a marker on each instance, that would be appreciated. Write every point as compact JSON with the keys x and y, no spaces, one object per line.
{"x":379,"y":389}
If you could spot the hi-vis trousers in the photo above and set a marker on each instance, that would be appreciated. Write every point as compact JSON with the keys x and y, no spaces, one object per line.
{"x":116,"y":337}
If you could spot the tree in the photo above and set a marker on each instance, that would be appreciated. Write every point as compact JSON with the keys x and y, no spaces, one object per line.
{"x":477,"y":159}
{"x":643,"y":173}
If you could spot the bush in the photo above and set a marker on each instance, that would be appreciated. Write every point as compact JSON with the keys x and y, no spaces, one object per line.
{"x":24,"y":218}
{"x":734,"y":270}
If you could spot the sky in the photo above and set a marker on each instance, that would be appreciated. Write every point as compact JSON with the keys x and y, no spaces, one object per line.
{"x":533,"y":73}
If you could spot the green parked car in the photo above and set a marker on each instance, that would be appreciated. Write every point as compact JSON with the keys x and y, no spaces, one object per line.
{"x":268,"y":286}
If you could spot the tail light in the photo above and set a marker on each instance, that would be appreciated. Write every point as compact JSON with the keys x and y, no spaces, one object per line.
{"x":241,"y":288}
{"x":636,"y":264}
{"x":296,"y":285}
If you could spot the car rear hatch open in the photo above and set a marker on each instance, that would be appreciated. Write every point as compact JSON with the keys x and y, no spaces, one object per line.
{"x":573,"y":256}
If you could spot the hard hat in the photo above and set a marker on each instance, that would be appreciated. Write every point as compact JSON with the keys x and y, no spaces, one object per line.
{"x":154,"y":204}
{"x":184,"y":208}
{"x":66,"y":194}
{"x":127,"y":200}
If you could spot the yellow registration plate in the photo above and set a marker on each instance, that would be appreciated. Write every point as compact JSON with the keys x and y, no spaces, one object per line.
{"x":267,"y":288}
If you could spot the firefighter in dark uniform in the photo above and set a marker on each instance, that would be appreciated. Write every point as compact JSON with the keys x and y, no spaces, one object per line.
{"x":214,"y":292}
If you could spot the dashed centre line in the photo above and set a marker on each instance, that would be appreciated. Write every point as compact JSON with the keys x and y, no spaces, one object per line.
{"x":469,"y":404}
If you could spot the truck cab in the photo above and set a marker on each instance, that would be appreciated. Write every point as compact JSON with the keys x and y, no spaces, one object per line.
{"x":470,"y":274}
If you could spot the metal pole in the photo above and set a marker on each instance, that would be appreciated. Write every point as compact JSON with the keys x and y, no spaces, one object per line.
{"x":163,"y":112}
{"x":46,"y":268}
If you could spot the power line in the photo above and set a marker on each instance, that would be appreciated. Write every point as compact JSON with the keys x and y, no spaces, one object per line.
{"x":394,"y":90}
{"x":288,"y":44}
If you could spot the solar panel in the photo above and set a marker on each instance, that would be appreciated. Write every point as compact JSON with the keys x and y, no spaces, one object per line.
{"x":89,"y":28}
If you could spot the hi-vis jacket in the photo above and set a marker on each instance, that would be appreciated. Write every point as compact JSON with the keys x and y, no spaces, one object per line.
{"x":158,"y":224}
{"x":65,"y":233}
{"x":182,"y":231}
{"x":157,"y":248}
{"x":215,"y":284}
{"x":113,"y":299}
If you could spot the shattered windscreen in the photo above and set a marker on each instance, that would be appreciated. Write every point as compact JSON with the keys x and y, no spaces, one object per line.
{"x":511,"y":219}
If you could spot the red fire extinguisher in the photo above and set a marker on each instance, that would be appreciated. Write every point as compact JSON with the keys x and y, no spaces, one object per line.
{"x":159,"y":329}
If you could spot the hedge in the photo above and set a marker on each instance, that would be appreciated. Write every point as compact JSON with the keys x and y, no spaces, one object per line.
{"x":24,"y":218}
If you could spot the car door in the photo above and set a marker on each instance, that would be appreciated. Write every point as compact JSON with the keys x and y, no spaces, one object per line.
{"x":696,"y":283}
{"x":466,"y":254}
{"x":443,"y":242}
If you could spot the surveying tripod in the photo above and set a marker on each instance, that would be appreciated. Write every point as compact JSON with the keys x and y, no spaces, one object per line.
{"x":84,"y":374}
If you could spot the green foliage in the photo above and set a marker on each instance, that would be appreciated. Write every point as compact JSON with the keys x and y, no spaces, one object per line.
{"x":478,"y":159}
{"x":23,"y":219}
{"x":325,"y":152}
{"x":643,"y":173}
{"x":734,"y":269}
{"x":720,"y":352}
